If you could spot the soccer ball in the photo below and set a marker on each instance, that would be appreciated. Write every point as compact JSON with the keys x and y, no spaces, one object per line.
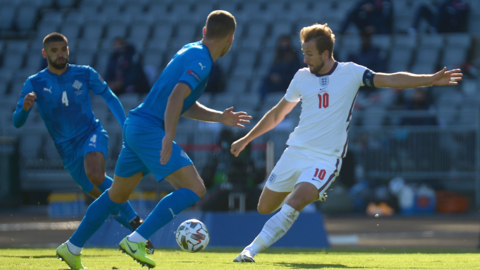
{"x":192,"y":235}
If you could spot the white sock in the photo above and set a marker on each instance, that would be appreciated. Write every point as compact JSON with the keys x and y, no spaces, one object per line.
{"x":274,"y":229}
{"x":73,"y":249}
{"x":136,"y":238}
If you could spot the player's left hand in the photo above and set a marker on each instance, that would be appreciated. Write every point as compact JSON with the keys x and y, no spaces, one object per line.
{"x":444,"y":77}
{"x":166,"y":151}
{"x":235,"y":119}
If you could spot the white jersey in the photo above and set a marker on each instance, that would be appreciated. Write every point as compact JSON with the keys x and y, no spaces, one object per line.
{"x":327,"y":105}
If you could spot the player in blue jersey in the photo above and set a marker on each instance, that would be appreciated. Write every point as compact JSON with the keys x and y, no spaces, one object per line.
{"x":148,"y":137}
{"x":61,"y":92}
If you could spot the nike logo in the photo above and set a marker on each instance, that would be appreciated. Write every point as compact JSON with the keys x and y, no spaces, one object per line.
{"x":173,"y":214}
{"x":129,"y":247}
{"x":48,"y":89}
{"x":315,"y":180}
{"x":202,"y":66}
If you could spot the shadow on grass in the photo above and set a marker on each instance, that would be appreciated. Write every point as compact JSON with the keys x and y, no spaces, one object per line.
{"x":313,"y":265}
{"x":347,"y":250}
{"x":52,"y":256}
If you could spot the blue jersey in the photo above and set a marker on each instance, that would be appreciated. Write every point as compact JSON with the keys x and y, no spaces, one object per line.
{"x":190,"y":65}
{"x":64,"y":105}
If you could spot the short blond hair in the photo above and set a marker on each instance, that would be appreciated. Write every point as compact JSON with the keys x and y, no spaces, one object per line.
{"x":220,"y":24}
{"x":325,"y":39}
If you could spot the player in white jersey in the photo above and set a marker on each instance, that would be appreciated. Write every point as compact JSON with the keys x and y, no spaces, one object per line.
{"x":313,"y":159}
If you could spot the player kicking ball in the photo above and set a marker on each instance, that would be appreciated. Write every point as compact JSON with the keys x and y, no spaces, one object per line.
{"x":61,"y":92}
{"x":148,"y":136}
{"x":318,"y":144}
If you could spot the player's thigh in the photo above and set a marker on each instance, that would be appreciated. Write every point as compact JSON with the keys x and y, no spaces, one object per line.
{"x":187,"y":177}
{"x":122,"y":187}
{"x":94,"y":163}
{"x":77,"y":171}
{"x":95,"y":152}
{"x":303,"y":194}
{"x":128,"y":162}
{"x":320,"y":171}
{"x":270,"y":200}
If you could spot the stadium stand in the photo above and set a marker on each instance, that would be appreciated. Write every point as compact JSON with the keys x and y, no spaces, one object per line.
{"x":157,"y":28}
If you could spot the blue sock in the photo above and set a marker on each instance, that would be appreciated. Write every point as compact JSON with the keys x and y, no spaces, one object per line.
{"x":126,"y":209}
{"x":96,"y":215}
{"x":170,"y":206}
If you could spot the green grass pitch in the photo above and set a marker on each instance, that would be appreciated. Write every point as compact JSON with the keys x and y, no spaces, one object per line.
{"x":211,"y":259}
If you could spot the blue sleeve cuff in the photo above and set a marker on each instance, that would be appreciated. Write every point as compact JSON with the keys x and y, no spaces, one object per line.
{"x":20,"y":117}
{"x":187,"y":83}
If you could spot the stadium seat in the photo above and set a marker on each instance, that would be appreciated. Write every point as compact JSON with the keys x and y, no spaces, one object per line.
{"x":237,"y":86}
{"x":158,"y":44}
{"x":257,"y":29}
{"x":427,"y":54}
{"x":65,"y":3}
{"x":401,"y":23}
{"x":453,"y":57}
{"x":399,"y":58}
{"x":249,"y":43}
{"x":405,"y":41}
{"x":202,"y":9}
{"x":181,"y":8}
{"x":280,"y":28}
{"x":45,"y":28}
{"x":70,"y":29}
{"x":85,"y":44}
{"x":84,"y":57}
{"x":373,"y":117}
{"x":225,"y":62}
{"x":423,"y":68}
{"x":153,"y":57}
{"x":101,"y":62}
{"x":115,"y":29}
{"x":17,"y":46}
{"x":134,"y":8}
{"x":223,"y":100}
{"x":33,"y":60}
{"x":158,"y":10}
{"x":26,"y":17}
{"x":205,"y":99}
{"x":162,"y":30}
{"x":459,"y":40}
{"x":140,"y":31}
{"x":229,"y":6}
{"x":7,"y":15}
{"x":129,"y":101}
{"x":12,"y":61}
{"x":50,"y":152}
{"x":187,"y":30}
{"x":382,"y":41}
{"x":276,"y":7}
{"x":432,"y":41}
{"x":299,"y":7}
{"x":30,"y":145}
{"x":93,"y":30}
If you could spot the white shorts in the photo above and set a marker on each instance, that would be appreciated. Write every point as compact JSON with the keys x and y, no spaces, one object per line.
{"x":298,"y":165}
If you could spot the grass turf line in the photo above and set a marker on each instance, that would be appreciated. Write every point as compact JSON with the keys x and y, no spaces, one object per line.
{"x":212,"y":259}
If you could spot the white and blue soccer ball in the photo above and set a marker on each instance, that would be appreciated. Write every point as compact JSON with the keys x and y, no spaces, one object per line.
{"x":192,"y":235}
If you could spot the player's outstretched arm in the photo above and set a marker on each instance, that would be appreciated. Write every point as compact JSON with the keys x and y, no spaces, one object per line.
{"x":270,"y":120}
{"x":411,"y":80}
{"x":172,"y":113}
{"x":227,"y":117}
{"x":23,"y":109}
{"x":115,"y":105}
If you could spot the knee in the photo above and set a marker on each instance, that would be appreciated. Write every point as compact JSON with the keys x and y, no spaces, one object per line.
{"x":264,"y":210}
{"x":96,"y":177}
{"x":200,"y":191}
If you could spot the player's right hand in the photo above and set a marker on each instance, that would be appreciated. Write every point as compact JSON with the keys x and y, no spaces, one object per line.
{"x":29,"y":100}
{"x":166,"y":151}
{"x":238,"y":146}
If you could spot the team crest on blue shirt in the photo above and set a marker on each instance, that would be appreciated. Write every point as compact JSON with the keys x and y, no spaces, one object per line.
{"x":324,"y":81}
{"x":78,"y":87}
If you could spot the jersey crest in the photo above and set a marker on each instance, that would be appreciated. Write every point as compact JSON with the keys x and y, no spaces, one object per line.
{"x":324,"y":82}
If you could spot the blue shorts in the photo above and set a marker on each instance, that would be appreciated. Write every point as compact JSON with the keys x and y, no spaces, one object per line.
{"x":141,"y":153}
{"x":96,"y":142}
